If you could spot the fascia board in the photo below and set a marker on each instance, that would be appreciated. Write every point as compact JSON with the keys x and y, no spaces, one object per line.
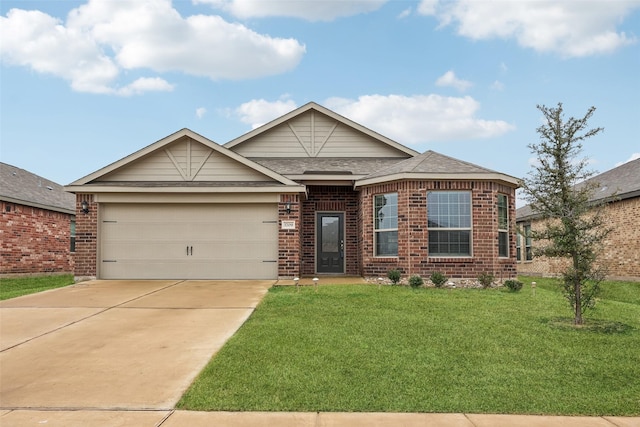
{"x":96,"y":189}
{"x":509,"y":180}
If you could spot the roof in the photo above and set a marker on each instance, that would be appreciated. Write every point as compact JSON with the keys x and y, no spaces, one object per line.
{"x":622,"y":181}
{"x":298,"y":168}
{"x":313,"y":106}
{"x":26,"y":188}
{"x":432,"y":165}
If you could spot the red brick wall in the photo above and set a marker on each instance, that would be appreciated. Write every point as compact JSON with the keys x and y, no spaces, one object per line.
{"x":330,"y":199}
{"x":413,"y":256}
{"x":86,"y":254}
{"x":34,"y":240}
{"x":289,"y":243}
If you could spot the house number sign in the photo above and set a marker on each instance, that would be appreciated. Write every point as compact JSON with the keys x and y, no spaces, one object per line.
{"x":288,"y":225}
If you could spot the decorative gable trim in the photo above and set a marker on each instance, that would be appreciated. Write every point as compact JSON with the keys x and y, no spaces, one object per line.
{"x":313,"y":151}
{"x":187,"y":168}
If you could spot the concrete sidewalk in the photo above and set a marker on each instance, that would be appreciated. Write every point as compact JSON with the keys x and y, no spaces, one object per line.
{"x":86,"y":417}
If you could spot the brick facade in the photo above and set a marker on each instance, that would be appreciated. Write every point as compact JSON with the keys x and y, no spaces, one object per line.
{"x":34,"y":240}
{"x":621,"y":252}
{"x":413,"y":256}
{"x":86,"y":255}
{"x":289,"y":242}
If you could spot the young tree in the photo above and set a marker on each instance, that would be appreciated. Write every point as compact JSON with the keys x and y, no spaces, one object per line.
{"x":558,"y":190}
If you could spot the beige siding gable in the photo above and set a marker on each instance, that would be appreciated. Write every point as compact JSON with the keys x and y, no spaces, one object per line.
{"x":314,"y":134}
{"x":185,"y":160}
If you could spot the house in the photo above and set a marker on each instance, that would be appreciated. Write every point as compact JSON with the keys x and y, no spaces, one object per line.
{"x":309,"y":193}
{"x":36,"y":224}
{"x":621,"y":254}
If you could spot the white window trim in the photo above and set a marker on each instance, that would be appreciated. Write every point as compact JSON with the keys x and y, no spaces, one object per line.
{"x":470,"y":229}
{"x":379,"y":230}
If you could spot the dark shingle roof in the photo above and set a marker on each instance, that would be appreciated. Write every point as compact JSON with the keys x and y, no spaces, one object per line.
{"x":623,"y":181}
{"x":298,"y":166}
{"x":23,"y":187}
{"x":431,"y":162}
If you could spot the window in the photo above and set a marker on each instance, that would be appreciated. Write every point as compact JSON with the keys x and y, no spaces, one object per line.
{"x":72,"y":234}
{"x":518,"y":248}
{"x":503,"y":226}
{"x":385,"y":212}
{"x":449,"y":223}
{"x":528,"y":253}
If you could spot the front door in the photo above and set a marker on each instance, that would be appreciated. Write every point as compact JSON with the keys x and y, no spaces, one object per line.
{"x":330,"y":238}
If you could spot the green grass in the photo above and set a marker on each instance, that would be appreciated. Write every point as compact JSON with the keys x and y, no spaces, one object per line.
{"x":15,"y":287}
{"x":394,"y":349}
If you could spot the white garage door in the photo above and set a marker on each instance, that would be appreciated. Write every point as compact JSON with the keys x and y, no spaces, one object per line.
{"x":188,"y":241}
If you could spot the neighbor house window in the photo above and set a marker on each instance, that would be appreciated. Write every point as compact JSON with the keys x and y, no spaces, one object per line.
{"x":72,"y":234}
{"x":385,"y":213}
{"x":528,"y":252}
{"x":518,"y":248}
{"x":503,"y":226}
{"x":449,"y":223}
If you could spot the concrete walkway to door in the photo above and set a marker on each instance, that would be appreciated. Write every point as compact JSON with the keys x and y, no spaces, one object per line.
{"x":134,"y":345}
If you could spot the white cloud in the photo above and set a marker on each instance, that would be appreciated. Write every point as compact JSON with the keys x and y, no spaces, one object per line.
{"x":497,"y":85}
{"x":102,"y":38}
{"x":310,"y":10}
{"x":634,"y":156}
{"x":259,"y":111}
{"x":200,"y":112}
{"x":420,"y":118}
{"x":405,"y":13}
{"x":565,"y":27}
{"x":449,"y":79}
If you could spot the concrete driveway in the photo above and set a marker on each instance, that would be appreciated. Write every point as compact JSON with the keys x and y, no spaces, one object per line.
{"x":131,"y":345}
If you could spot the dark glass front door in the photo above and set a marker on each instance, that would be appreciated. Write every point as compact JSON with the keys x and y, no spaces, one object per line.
{"x":330,"y":249}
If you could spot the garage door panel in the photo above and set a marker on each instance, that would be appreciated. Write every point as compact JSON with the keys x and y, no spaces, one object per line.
{"x":193,"y":241}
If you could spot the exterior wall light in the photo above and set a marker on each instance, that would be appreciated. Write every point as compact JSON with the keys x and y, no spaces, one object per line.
{"x":288,"y":207}
{"x":85,"y":206}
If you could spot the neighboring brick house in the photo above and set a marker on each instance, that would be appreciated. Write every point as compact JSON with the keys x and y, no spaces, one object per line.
{"x":309,"y":193}
{"x":621,"y":254}
{"x":36,"y":224}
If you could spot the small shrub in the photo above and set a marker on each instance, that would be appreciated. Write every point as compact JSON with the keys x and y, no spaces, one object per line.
{"x":486,"y":279}
{"x":415,"y":281}
{"x":513,"y":285}
{"x":394,"y":275}
{"x":438,"y":279}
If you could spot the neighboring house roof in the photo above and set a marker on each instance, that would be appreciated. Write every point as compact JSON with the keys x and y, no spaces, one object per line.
{"x":327,"y":112}
{"x":623,"y":182}
{"x":25,"y":188}
{"x":432,"y":165}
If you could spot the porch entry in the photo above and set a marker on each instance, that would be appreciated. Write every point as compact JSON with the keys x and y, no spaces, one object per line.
{"x":330,"y":242}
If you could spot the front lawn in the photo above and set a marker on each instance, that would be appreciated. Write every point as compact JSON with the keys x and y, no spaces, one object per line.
{"x":363,"y":348}
{"x":15,"y":287}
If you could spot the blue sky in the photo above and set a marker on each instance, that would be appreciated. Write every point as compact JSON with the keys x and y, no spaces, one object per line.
{"x":85,"y":83}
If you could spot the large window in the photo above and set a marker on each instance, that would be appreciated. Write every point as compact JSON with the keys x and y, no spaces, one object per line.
{"x":449,"y":223}
{"x":503,"y":226}
{"x":385,"y":212}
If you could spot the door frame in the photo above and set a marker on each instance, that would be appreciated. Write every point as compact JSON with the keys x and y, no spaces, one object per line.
{"x":343,"y":231}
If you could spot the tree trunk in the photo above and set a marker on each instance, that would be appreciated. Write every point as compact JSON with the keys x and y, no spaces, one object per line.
{"x":578,"y":308}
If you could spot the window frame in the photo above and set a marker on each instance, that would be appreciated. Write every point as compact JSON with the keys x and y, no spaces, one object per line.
{"x":387,"y":231}
{"x":72,"y":236}
{"x":528,"y":246}
{"x":503,"y":233}
{"x":518,"y":247}
{"x":447,"y":230}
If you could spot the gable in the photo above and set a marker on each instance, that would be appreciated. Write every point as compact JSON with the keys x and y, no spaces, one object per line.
{"x":185,"y":160}
{"x":315,"y":132}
